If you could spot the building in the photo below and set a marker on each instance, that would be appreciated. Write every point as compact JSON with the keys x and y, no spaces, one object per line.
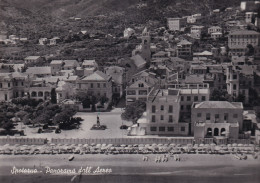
{"x":176,"y":24}
{"x":250,"y":16}
{"x":89,"y":67}
{"x":249,"y":5}
{"x":39,"y":71}
{"x":70,"y":64}
{"x":239,"y":40}
{"x":138,"y":60}
{"x":163,"y":114}
{"x":97,"y":84}
{"x":56,"y":66}
{"x":196,"y":31}
{"x":137,"y":91}
{"x":184,"y":49}
{"x":128,"y":32}
{"x":32,"y":59}
{"x":43,"y":41}
{"x":118,"y":77}
{"x":216,"y":35}
{"x":239,"y":79}
{"x":191,"y":20}
{"x":217,"y":118}
{"x":214,"y":29}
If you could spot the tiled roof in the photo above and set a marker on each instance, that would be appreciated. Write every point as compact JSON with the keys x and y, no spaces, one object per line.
{"x":97,"y":76}
{"x":244,"y":32}
{"x":56,"y":62}
{"x":32,"y":57}
{"x":38,"y":70}
{"x":138,"y":61}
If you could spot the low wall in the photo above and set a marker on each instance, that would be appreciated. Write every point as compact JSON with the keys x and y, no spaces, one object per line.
{"x":23,"y":141}
{"x":126,"y":141}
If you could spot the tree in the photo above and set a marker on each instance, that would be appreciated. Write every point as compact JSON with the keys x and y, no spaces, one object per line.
{"x":8,"y":126}
{"x":53,"y":96}
{"x":219,"y":95}
{"x":134,"y":111}
{"x":240,"y":98}
{"x":250,"y":50}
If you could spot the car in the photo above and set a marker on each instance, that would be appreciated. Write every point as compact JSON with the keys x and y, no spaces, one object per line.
{"x":123,"y":127}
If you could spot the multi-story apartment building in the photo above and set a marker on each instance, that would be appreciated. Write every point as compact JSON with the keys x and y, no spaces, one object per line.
{"x":250,"y":16}
{"x":137,"y":91}
{"x":12,"y":85}
{"x":239,"y":40}
{"x":176,"y":24}
{"x":184,"y":49}
{"x":56,"y":66}
{"x":97,"y":84}
{"x":216,"y":118}
{"x":163,"y":112}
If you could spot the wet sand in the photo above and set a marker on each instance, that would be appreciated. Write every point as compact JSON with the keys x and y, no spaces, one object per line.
{"x":131,"y":168}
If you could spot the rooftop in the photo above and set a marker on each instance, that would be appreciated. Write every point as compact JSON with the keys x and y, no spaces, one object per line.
{"x":97,"y":76}
{"x":219,"y":105}
{"x":244,"y":32}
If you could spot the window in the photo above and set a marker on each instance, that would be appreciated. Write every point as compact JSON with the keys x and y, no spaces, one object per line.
{"x":234,"y":76}
{"x":98,"y":85}
{"x":170,"y":119}
{"x":182,"y":107}
{"x":234,"y":87}
{"x":22,"y":83}
{"x":104,"y":85}
{"x":162,"y":117}
{"x":170,"y":109}
{"x":196,"y":98}
{"x":131,"y":92}
{"x":153,"y":118}
{"x":162,"y":107}
{"x":188,"y":98}
{"x":142,"y":92}
{"x":226,"y":116}
{"x":91,"y":85}
{"x":183,"y":129}
{"x":9,"y":85}
{"x":198,"y":115}
{"x":235,"y":115}
{"x":1,"y":85}
{"x":188,"y":107}
{"x":208,"y":116}
{"x":153,"y":109}
{"x":162,"y":129}
{"x":153,"y":129}
{"x":170,"y":129}
{"x":182,"y":98}
{"x":203,"y":98}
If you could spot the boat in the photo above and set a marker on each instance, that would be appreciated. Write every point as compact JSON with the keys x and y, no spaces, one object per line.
{"x":71,"y":158}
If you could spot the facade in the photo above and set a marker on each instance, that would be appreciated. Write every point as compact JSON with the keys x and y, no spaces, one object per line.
{"x":250,"y":16}
{"x":97,"y":84}
{"x":216,"y":35}
{"x":32,"y":59}
{"x":176,"y":24}
{"x":214,"y":29}
{"x":217,"y":118}
{"x":118,"y":78}
{"x":163,"y":113}
{"x":137,"y":91}
{"x":184,"y":49}
{"x":56,"y":67}
{"x":239,"y":40}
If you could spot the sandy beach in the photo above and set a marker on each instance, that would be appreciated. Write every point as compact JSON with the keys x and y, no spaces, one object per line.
{"x":191,"y":168}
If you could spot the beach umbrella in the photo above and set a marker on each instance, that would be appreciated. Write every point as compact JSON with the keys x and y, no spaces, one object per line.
{"x":178,"y":145}
{"x":160,"y":144}
{"x":52,"y":144}
{"x":234,"y":144}
{"x":85,"y":145}
{"x":80,"y":145}
{"x":98,"y":145}
{"x":217,"y":148}
{"x":130,"y":145}
{"x":154,"y":144}
{"x":141,"y":145}
{"x":201,"y":145}
{"x":123,"y":145}
{"x":147,"y":145}
{"x":240,"y":145}
{"x":103,"y":145}
{"x":229,"y":145}
{"x":6,"y":145}
{"x":172,"y":145}
{"x":135,"y":145}
{"x":93,"y":144}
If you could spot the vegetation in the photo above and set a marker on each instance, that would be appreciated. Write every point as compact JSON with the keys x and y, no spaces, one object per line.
{"x":134,"y":111}
{"x":220,"y":95}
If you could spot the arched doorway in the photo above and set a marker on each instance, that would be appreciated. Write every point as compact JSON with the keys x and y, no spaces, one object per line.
{"x":209,"y":132}
{"x":34,"y":94}
{"x":223,"y":132}
{"x":40,"y":94}
{"x":216,"y":132}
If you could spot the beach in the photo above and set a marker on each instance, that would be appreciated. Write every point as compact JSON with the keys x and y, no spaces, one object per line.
{"x":128,"y":168}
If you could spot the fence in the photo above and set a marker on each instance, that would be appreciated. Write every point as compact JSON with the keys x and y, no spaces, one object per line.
{"x":239,"y":141}
{"x":23,"y":141}
{"x":126,"y":141}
